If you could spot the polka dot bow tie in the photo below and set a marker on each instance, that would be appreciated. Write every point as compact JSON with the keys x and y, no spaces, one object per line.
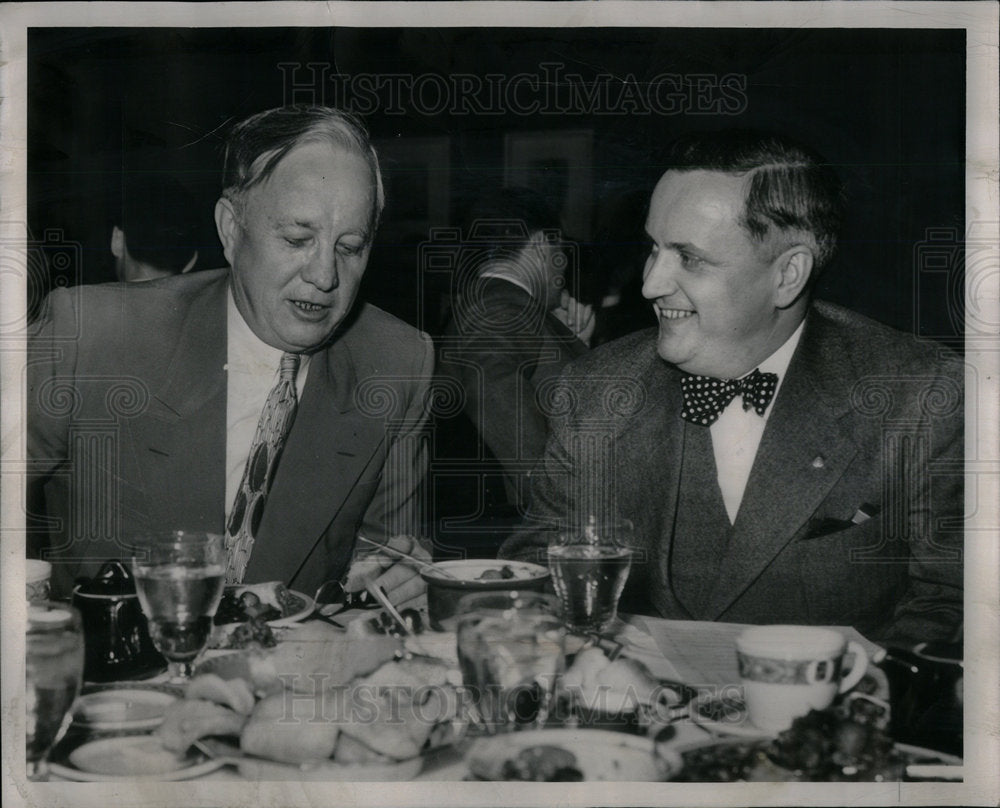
{"x":705,"y":398}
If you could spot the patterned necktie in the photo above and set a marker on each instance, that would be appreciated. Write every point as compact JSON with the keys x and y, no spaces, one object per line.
{"x":705,"y":398}
{"x":272,"y":428}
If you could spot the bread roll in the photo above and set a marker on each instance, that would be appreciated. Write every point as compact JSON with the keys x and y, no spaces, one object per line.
{"x":290,"y":729}
{"x":187,"y":720}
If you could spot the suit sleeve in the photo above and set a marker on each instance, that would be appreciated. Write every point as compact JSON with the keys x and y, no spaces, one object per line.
{"x":932,"y":606}
{"x":50,"y":398}
{"x":396,"y":507}
{"x":495,"y":373}
{"x":552,"y":482}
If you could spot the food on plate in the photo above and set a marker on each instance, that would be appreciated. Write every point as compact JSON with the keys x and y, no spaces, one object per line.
{"x":405,"y":700}
{"x":383,"y":623}
{"x":324,"y":695}
{"x":503,"y":573}
{"x":187,"y":720}
{"x":232,"y":693}
{"x":542,"y":764}
{"x":841,"y":743}
{"x":254,"y":633}
{"x":290,"y":730}
{"x":266,"y":601}
{"x":596,"y":682}
{"x":319,"y":650}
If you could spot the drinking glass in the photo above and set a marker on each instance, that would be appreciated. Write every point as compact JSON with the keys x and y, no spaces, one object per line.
{"x":179,"y":579}
{"x":53,"y":674}
{"x":511,"y":648}
{"x":589,"y":568}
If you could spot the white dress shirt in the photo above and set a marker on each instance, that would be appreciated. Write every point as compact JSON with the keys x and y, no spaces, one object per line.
{"x":251,"y":371}
{"x":737,"y":432}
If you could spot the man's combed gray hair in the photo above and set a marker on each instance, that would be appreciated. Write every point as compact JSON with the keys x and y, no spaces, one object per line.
{"x":257,"y":144}
{"x":791,"y":190}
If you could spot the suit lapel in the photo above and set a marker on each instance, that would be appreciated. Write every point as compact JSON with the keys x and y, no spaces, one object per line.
{"x":182,"y":434}
{"x":329,"y":445}
{"x":804,"y":451}
{"x":657,"y":444}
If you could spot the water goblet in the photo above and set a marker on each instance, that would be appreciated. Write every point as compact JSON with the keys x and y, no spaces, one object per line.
{"x":179,"y":579}
{"x":589,"y":568}
{"x":53,"y":674}
{"x":511,"y":649}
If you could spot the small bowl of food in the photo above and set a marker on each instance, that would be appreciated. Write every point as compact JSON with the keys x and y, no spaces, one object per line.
{"x":449,"y":581}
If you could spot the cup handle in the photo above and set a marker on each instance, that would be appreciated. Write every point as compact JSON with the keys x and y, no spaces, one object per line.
{"x":858,"y":667}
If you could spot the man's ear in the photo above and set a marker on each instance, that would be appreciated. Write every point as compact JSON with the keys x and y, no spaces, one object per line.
{"x":795,"y":266}
{"x":228,"y":226}
{"x":117,"y":242}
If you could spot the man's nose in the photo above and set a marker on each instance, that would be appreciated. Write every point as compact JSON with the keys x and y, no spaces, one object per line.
{"x":659,"y":277}
{"x":322,"y":271}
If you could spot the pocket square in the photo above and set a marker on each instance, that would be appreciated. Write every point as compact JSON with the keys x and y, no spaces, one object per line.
{"x":818,"y":528}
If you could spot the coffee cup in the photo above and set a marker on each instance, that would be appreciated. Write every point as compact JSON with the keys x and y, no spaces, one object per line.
{"x":786,"y":671}
{"x":36,"y":576}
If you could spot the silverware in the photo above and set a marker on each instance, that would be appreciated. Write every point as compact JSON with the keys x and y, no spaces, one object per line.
{"x":419,"y":562}
{"x":379,"y":594}
{"x":227,"y":753}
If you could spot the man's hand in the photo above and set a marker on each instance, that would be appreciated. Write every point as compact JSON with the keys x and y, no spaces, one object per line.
{"x":576,"y":316}
{"x":399,"y":577}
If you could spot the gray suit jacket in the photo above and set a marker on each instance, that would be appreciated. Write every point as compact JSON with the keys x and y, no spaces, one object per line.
{"x":126,"y":402}
{"x":866,"y":416}
{"x":503,"y":349}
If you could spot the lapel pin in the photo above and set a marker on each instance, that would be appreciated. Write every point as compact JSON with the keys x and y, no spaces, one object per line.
{"x":818,"y":462}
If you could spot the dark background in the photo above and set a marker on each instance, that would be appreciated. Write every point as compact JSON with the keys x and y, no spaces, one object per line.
{"x":886,"y":106}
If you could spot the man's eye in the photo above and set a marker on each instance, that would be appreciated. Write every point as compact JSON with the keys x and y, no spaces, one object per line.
{"x":689,"y":261}
{"x":296,"y":242}
{"x":350,"y":249}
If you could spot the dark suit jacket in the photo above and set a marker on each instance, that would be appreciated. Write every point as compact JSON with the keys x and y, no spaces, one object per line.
{"x":505,"y":352}
{"x":866,"y":416}
{"x":127,"y":430}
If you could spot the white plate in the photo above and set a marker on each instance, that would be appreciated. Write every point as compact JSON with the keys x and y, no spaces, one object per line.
{"x":129,"y":757}
{"x":125,"y":706}
{"x":600,"y":754}
{"x":259,"y":770}
{"x":298,"y":617}
{"x":468,"y":570}
{"x":737,"y":722}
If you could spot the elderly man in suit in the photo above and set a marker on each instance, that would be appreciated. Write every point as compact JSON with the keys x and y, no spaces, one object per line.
{"x":782,"y":460}
{"x":514,"y":326}
{"x":263,"y":401}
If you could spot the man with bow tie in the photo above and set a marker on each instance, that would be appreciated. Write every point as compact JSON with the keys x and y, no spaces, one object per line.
{"x":262,"y":401}
{"x":783,"y":460}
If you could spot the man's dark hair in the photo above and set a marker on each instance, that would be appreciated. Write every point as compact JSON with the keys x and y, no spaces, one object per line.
{"x":257,"y":144}
{"x":790,"y":189}
{"x":501,"y":222}
{"x":160,"y":222}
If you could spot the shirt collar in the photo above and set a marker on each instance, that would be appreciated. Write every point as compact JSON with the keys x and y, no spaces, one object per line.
{"x":778,"y":361}
{"x":500,"y":276}
{"x":247,"y":353}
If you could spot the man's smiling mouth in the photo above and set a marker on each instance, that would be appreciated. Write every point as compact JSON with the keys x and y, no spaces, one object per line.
{"x":307,"y":306}
{"x":673,"y":314}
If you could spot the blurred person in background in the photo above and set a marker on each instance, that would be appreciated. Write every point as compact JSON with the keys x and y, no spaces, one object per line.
{"x":514,"y":326}
{"x":156,"y":233}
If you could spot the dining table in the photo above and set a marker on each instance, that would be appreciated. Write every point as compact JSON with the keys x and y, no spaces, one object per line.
{"x":700,"y":655}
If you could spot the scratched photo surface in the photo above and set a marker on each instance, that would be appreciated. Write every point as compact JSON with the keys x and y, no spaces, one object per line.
{"x":580,"y":119}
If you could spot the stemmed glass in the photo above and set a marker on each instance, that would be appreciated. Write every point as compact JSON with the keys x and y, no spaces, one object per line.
{"x":589,"y":568}
{"x":179,"y":579}
{"x":53,"y":674}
